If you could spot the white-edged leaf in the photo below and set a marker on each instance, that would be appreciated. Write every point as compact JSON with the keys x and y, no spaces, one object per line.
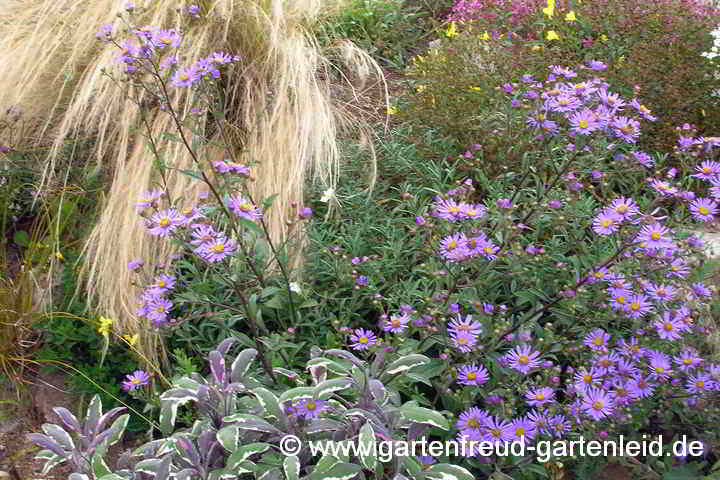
{"x":445,"y":471}
{"x":424,"y":415}
{"x":291,"y":466}
{"x":367,"y":447}
{"x":181,"y":395}
{"x":94,"y":412}
{"x":296,"y":394}
{"x":168,"y":412}
{"x":229,"y":438}
{"x":78,"y":476}
{"x":187,"y":383}
{"x":269,"y":402}
{"x":118,"y":429}
{"x":251,"y":422}
{"x":246,"y":451}
{"x":112,"y":476}
{"x":59,"y":435}
{"x":330,"y":365}
{"x":326,"y":463}
{"x":99,"y":467}
{"x":318,"y":425}
{"x":340,"y":471}
{"x":149,"y":466}
{"x":241,"y":364}
{"x":406,"y":363}
{"x":326,"y":388}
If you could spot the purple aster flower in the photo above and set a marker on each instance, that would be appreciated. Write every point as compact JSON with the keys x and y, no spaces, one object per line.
{"x":643,"y":159}
{"x":597,"y":340}
{"x":466,"y":325}
{"x":135,"y":380}
{"x":703,"y":209}
{"x":638,"y":306}
{"x":362,"y":281}
{"x":222,"y":166}
{"x":626,"y":128}
{"x":472,"y":375}
{"x":643,"y":110}
{"x":562,"y":71}
{"x":454,"y":247}
{"x":540,"y":396}
{"x":305,"y":213}
{"x":626,"y":208}
{"x":163,"y":223}
{"x":158,"y":309}
{"x":523,"y":359}
{"x":244,"y":208}
{"x":563,"y":103}
{"x":488,"y":249}
{"x":448,"y":209}
{"x":598,"y":404}
{"x":397,"y":323}
{"x":160,"y":38}
{"x":498,"y":431}
{"x":363,"y":339}
{"x":640,"y":387}
{"x":135,"y":265}
{"x":309,"y":408}
{"x":701,"y":290}
{"x":688,"y":360}
{"x":149,"y":199}
{"x":540,"y":421}
{"x":185,"y":77}
{"x":218,"y":249}
{"x":536,"y":119}
{"x":661,"y":293}
{"x":163,"y":284}
{"x":619,"y":298}
{"x":607,"y":222}
{"x":654,"y":236}
{"x":523,"y":430}
{"x":700,"y":383}
{"x":707,"y":170}
{"x":668,"y":328}
{"x":606,"y":364}
{"x":504,"y":203}
{"x":583,"y":122}
{"x":463,"y":341}
{"x":473,"y":421}
{"x":660,"y":365}
{"x":222,"y":58}
{"x":596,"y":65}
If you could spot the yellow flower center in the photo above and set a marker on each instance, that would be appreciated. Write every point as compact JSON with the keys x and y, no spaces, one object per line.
{"x":598,"y":341}
{"x":703,"y":210}
{"x":660,"y":370}
{"x":520,"y":431}
{"x":473,"y":423}
{"x":687,"y":361}
{"x":540,"y":396}
{"x":472,"y":376}
{"x":635,"y":306}
{"x":452,"y":245}
{"x":488,"y":250}
{"x":524,"y":359}
{"x":161,"y":283}
{"x":656,"y":236}
{"x":364,"y":340}
{"x":607,"y":222}
{"x":164,"y":222}
{"x":598,"y":405}
{"x":311,"y":406}
{"x":668,"y":326}
{"x":584,"y":124}
{"x":700,"y":384}
{"x":462,"y":341}
{"x":620,"y":300}
{"x":160,"y":309}
{"x":621,"y":209}
{"x":219,"y":248}
{"x":587,"y":379}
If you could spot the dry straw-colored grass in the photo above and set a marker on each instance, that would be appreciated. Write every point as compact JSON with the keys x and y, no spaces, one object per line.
{"x":284,"y":117}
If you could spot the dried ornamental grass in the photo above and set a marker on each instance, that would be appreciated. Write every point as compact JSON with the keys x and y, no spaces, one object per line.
{"x":285,"y":119}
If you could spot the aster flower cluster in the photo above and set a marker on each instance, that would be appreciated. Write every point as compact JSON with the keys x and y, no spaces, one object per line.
{"x":580,"y":108}
{"x":154,"y":302}
{"x":135,"y":380}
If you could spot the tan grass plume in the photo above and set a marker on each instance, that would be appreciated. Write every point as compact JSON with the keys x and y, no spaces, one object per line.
{"x":286,"y":116}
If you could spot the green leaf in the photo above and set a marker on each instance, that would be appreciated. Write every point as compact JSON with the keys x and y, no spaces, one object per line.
{"x":270,"y":403}
{"x":368,"y":447}
{"x":330,"y":365}
{"x":59,"y":435}
{"x":250,"y":225}
{"x":21,"y":238}
{"x":445,"y":471}
{"x":267,"y":203}
{"x":424,"y":415}
{"x":291,"y":466}
{"x":229,"y":438}
{"x":406,"y":363}
{"x":94,"y":412}
{"x":296,"y":393}
{"x":340,"y":471}
{"x":326,"y":388}
{"x":99,"y":466}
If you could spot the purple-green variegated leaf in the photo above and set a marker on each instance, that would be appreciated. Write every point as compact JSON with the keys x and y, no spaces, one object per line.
{"x":163,"y":471}
{"x":271,"y":474}
{"x":99,"y":467}
{"x":229,"y":437}
{"x":94,"y":412}
{"x":78,"y":476}
{"x":59,"y":435}
{"x":225,"y":346}
{"x":117,"y":429}
{"x":121,"y":475}
{"x":149,"y":466}
{"x":51,"y":460}
{"x":324,"y":425}
{"x":187,"y":474}
{"x":241,"y":364}
{"x":296,"y":394}
{"x":416,"y":431}
{"x":187,"y":450}
{"x":168,"y":412}
{"x":378,"y":391}
{"x":206,"y":439}
{"x":250,"y":422}
{"x":46,"y":442}
{"x":291,"y":467}
{"x":269,"y":402}
{"x":179,"y":395}
{"x":328,"y":387}
{"x":108,"y":417}
{"x":217,"y":367}
{"x":98,"y":439}
{"x":346,"y":355}
{"x":68,"y":419}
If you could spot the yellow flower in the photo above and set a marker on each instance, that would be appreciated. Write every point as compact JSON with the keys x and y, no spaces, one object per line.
{"x":570,"y":17}
{"x":536,"y":48}
{"x":131,"y":339}
{"x":59,"y":256}
{"x":476,"y":89}
{"x":105,"y":324}
{"x":420,"y":88}
{"x":451,"y":31}
{"x":485,"y":36}
{"x":391,"y":110}
{"x":603,"y":38}
{"x":552,"y":35}
{"x":550,"y":9}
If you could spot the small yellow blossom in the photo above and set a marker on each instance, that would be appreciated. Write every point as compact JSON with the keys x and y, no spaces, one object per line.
{"x":131,"y":339}
{"x":59,"y":256}
{"x":105,"y":324}
{"x":603,"y":38}
{"x":420,"y":88}
{"x":476,"y":89}
{"x":552,"y":35}
{"x":391,"y":110}
{"x":550,"y":9}
{"x":451,"y":31}
{"x":485,"y":36}
{"x":570,"y":17}
{"x":536,"y":48}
